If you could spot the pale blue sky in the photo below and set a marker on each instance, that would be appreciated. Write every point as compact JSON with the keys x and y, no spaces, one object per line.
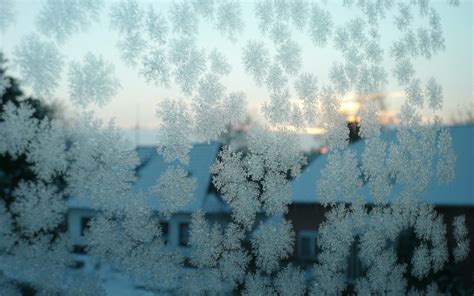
{"x":452,"y":68}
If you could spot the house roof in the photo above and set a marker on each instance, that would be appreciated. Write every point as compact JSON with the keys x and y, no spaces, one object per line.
{"x":459,"y":192}
{"x":201,"y":157}
{"x":152,"y":166}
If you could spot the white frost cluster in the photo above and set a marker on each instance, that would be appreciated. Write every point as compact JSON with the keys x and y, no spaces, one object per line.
{"x":40,"y":64}
{"x":93,"y":81}
{"x":174,"y":190}
{"x":7,"y":14}
{"x":62,"y":18}
{"x":461,"y":250}
{"x":175,"y":137}
{"x":90,"y":161}
{"x":256,"y":60}
{"x":47,"y":150}
{"x":39,"y":207}
{"x":4,"y":84}
{"x":272,"y":242}
{"x":17,"y":129}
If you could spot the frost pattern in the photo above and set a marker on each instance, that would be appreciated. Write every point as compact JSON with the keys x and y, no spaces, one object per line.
{"x":174,"y":190}
{"x":7,"y":14}
{"x":256,"y":60}
{"x":17,"y":129}
{"x":62,"y":18}
{"x":250,"y":251}
{"x":40,"y":64}
{"x":272,"y":242}
{"x":47,"y":150}
{"x":4,"y":84}
{"x":461,"y":251}
{"x":320,"y":27}
{"x":175,"y":137}
{"x":219,"y":63}
{"x":126,"y":17}
{"x":229,"y":19}
{"x":93,"y":81}
{"x":38,"y":207}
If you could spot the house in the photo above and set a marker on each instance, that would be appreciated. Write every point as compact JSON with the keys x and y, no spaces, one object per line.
{"x":455,"y":198}
{"x":152,"y":165}
{"x":305,"y":212}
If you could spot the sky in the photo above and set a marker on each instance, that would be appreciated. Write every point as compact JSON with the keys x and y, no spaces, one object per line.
{"x":136,"y":102}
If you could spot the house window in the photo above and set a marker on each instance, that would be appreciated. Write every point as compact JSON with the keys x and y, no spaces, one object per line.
{"x":353,"y":269}
{"x":165,"y":231}
{"x":183,"y":234}
{"x":307,"y":247}
{"x":85,"y":224}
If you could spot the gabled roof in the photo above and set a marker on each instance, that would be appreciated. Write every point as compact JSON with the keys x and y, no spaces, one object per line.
{"x":152,"y":166}
{"x":201,"y":157}
{"x":459,"y":192}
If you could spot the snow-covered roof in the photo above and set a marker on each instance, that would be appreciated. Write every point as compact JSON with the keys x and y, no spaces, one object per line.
{"x":459,"y":192}
{"x":152,"y":166}
{"x":201,"y":157}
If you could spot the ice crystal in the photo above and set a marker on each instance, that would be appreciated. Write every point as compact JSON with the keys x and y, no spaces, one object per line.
{"x":156,"y":68}
{"x":127,"y":18}
{"x":447,"y":160}
{"x":375,"y":187}
{"x":229,"y":19}
{"x":434,"y":92}
{"x":39,"y":207}
{"x":219,"y":63}
{"x":47,"y":150}
{"x":62,"y":18}
{"x":347,"y":183}
{"x":40,"y":64}
{"x":156,"y":26}
{"x":7,"y":14}
{"x":183,"y":19}
{"x":290,"y":281}
{"x":461,"y":250}
{"x":320,"y":27}
{"x":93,"y":81}
{"x":272,"y":242}
{"x":17,"y":129}
{"x":299,"y":13}
{"x":289,"y":56}
{"x":204,"y":8}
{"x":4,"y":84}
{"x":175,"y":136}
{"x":174,"y":190}
{"x":189,"y":63}
{"x":256,"y":60}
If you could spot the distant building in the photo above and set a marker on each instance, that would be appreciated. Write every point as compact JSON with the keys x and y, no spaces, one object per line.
{"x":305,"y":213}
{"x":152,"y":165}
{"x":455,"y":198}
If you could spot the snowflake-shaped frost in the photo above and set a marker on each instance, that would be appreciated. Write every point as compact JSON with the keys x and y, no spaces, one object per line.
{"x":93,"y":81}
{"x":62,"y":18}
{"x":174,"y":190}
{"x":40,"y":64}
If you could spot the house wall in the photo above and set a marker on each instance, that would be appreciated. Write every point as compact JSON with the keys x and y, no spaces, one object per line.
{"x":74,"y":219}
{"x":307,"y":217}
{"x":467,"y":266}
{"x":75,"y":216}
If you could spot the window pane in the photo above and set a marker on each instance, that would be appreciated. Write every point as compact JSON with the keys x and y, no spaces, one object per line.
{"x":305,"y":247}
{"x":316,"y":248}
{"x":85,"y":224}
{"x":183,"y":234}
{"x":164,"y":231}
